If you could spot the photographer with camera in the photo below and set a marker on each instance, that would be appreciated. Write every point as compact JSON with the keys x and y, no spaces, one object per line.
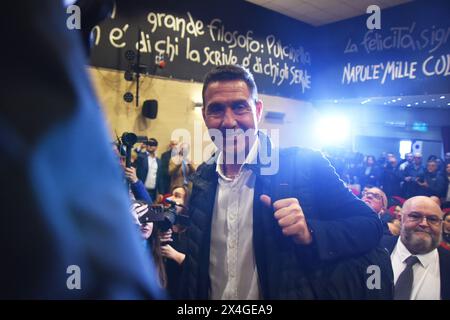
{"x":174,"y":242}
{"x":167,"y":222}
{"x":148,"y":167}
{"x":136,"y":188}
{"x":150,"y":239}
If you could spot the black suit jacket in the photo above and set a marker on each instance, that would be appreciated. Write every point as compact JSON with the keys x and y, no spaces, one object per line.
{"x":164,"y":171}
{"x":389,"y":242}
{"x":141,"y":165}
{"x":343,"y":228}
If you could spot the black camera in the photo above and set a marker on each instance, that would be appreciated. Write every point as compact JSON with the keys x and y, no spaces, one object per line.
{"x":164,"y":217}
{"x":129,"y":139}
{"x":126,"y":143}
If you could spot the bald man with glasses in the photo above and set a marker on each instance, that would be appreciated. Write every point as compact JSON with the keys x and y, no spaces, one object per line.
{"x":376,"y":199}
{"x":421,"y":268}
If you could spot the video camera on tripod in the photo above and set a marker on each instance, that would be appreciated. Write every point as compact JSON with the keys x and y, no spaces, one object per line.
{"x":126,"y":143}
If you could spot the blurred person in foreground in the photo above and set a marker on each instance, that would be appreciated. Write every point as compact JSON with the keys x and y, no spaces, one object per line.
{"x":64,"y":208}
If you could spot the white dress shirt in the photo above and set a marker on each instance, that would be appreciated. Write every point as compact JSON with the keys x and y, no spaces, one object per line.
{"x":150,"y":181}
{"x":427,"y":279}
{"x":232,"y":267}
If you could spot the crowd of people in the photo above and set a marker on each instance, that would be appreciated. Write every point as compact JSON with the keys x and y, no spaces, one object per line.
{"x":385,"y":184}
{"x":397,"y":177}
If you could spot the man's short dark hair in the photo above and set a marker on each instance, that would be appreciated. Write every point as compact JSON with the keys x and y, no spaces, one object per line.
{"x":229,"y":73}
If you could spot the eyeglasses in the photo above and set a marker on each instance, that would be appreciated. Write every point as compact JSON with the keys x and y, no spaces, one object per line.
{"x":373,"y":195}
{"x":417,"y":218}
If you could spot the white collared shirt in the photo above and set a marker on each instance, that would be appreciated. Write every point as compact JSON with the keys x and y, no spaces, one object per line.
{"x":150,"y":181}
{"x":427,"y":279}
{"x":232,"y":267}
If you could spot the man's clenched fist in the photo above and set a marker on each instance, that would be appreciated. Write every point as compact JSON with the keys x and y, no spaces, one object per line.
{"x":291,"y":219}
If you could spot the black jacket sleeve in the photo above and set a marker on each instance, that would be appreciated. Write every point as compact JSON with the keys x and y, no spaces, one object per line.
{"x":345,"y":226}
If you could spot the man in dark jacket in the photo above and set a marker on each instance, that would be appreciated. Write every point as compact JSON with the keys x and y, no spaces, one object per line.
{"x":413,"y":173}
{"x":148,"y":168}
{"x":164,"y":168}
{"x":391,"y":177}
{"x":421,"y":267}
{"x":267,"y":230}
{"x":432,"y":183}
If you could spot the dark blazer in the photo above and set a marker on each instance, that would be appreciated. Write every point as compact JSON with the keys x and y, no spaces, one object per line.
{"x":389,"y":242}
{"x":344,"y":229}
{"x":141,"y":165}
{"x":390,"y":181}
{"x":164,"y":175}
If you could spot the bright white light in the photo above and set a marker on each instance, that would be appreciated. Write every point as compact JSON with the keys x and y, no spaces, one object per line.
{"x":405,"y":147}
{"x":332,"y":130}
{"x":408,"y":105}
{"x":442,"y":97}
{"x":399,"y":99}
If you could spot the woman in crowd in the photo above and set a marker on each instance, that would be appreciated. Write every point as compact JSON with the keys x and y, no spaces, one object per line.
{"x":370,"y":173}
{"x":174,"y":242}
{"x":150,"y":240}
{"x":180,"y":167}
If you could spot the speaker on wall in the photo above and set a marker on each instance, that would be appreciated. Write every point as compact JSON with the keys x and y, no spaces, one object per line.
{"x":150,"y":109}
